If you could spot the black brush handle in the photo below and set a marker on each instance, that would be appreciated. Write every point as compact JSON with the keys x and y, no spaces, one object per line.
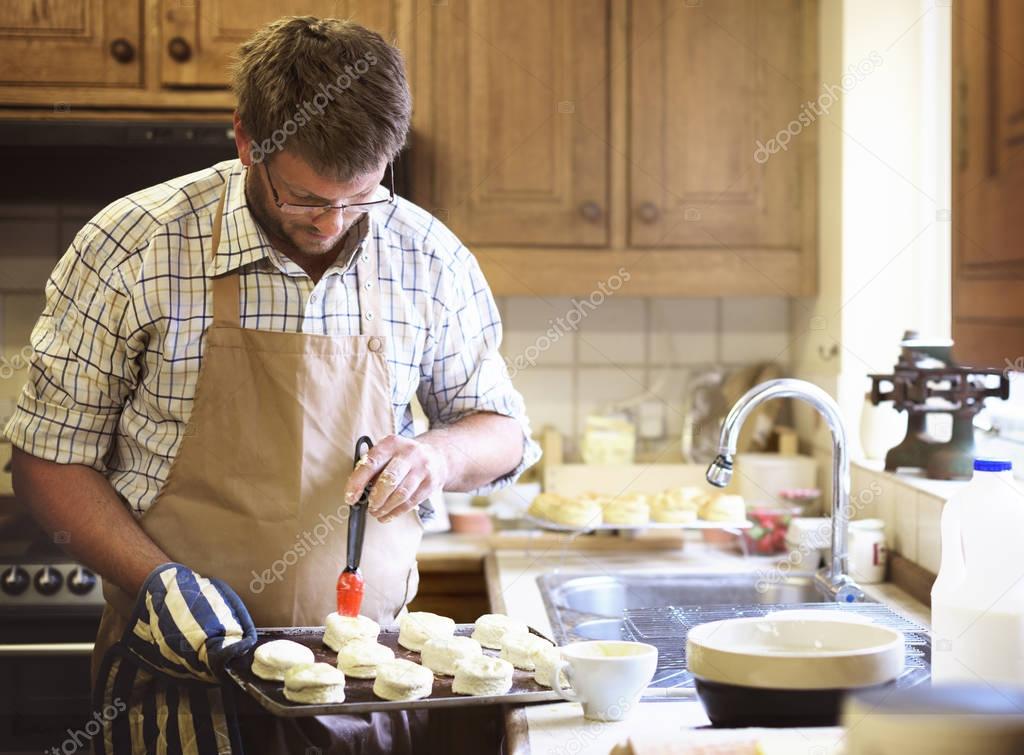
{"x":357,"y":514}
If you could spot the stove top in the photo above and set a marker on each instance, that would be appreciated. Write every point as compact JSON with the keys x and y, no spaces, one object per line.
{"x":37,"y":575}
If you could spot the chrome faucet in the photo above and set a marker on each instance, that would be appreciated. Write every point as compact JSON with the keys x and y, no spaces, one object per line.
{"x":832,"y":580}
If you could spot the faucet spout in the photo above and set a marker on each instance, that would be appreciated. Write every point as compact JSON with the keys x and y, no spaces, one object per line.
{"x":834,"y":579}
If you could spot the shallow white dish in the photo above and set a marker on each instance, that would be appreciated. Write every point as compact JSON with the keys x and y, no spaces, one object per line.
{"x":698,"y":524}
{"x":795,"y":653}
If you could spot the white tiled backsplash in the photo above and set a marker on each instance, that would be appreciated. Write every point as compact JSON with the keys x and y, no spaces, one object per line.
{"x":910,"y":507}
{"x":625,"y":346}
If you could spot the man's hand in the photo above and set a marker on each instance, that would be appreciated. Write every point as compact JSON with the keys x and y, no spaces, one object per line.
{"x":407,"y":471}
{"x":461,"y":456}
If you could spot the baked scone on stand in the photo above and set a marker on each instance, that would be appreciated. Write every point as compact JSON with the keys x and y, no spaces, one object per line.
{"x":677,"y":505}
{"x":579,"y":512}
{"x":627,"y":509}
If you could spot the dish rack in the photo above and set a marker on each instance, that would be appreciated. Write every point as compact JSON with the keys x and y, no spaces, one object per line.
{"x":667,"y":627}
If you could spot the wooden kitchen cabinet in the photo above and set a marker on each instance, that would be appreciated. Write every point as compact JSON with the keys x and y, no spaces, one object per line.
{"x":572,"y":143}
{"x":511,"y":143}
{"x":73,"y":42}
{"x":198,"y":38}
{"x":708,"y":83}
{"x":122,"y":59}
{"x":988,"y":184}
{"x":574,"y":146}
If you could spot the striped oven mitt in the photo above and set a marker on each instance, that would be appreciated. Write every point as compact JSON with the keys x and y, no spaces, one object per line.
{"x":162,"y":680}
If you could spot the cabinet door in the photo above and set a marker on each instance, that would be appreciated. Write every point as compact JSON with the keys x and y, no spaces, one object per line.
{"x":988,"y":184}
{"x":84,"y":42}
{"x":709,"y":81}
{"x":511,"y":143}
{"x":198,"y":38}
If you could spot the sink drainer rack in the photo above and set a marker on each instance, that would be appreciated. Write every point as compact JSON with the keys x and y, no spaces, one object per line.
{"x":666,"y":628}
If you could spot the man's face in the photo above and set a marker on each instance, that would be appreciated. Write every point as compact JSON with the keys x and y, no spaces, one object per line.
{"x":311,"y":233}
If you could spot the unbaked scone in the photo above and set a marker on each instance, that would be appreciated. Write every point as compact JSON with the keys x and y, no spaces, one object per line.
{"x":544,"y":660}
{"x":441,"y":655}
{"x":416,"y":627}
{"x":482,"y":675}
{"x":724,"y":508}
{"x":360,"y":658}
{"x":272,"y":659}
{"x":340,"y":629}
{"x":491,"y":627}
{"x":518,"y":649}
{"x":403,"y":680}
{"x":573,"y":512}
{"x":677,"y":505}
{"x":629,"y":509}
{"x":315,"y":683}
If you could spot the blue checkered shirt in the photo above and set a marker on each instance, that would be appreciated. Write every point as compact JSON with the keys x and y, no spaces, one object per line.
{"x":119,"y":344}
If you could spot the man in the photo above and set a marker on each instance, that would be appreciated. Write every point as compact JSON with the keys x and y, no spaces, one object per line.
{"x":212,"y":347}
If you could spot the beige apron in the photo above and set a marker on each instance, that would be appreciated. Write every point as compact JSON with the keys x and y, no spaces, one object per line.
{"x":255,"y":493}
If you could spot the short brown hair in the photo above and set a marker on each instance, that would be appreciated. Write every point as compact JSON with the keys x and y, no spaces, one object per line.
{"x":331,"y":90}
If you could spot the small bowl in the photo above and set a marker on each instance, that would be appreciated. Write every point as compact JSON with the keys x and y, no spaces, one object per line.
{"x":722,"y":539}
{"x":788,"y":671}
{"x":471,"y":522}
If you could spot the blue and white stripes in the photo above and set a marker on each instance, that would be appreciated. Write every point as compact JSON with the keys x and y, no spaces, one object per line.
{"x":164,"y":674}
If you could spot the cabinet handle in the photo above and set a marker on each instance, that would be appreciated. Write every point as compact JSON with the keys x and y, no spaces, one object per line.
{"x":648,"y":212}
{"x":590,"y":211}
{"x":122,"y":50}
{"x":179,"y":49}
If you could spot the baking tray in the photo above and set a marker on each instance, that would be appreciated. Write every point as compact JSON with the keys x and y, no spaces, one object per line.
{"x":699,"y":524}
{"x":359,"y":697}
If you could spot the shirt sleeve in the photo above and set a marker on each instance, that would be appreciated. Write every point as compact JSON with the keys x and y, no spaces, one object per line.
{"x":79,"y":373}
{"x":462,"y":372}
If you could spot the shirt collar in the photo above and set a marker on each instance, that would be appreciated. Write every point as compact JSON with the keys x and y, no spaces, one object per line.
{"x":243,"y":241}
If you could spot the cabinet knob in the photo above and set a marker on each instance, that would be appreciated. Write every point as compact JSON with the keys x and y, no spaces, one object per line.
{"x":590,"y":211}
{"x":179,"y":49}
{"x":122,"y":50}
{"x":648,"y":212}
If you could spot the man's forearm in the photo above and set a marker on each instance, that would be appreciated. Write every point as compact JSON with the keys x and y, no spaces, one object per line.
{"x":79,"y":501}
{"x":479,"y":449}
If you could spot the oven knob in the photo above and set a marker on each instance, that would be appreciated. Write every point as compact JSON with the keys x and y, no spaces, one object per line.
{"x":14,"y":581}
{"x":81,"y":581}
{"x":48,"y":580}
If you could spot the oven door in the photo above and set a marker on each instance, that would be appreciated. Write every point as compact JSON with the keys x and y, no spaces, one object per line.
{"x":44,"y":668}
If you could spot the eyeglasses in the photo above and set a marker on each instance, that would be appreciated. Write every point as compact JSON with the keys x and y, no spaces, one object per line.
{"x":312,"y":209}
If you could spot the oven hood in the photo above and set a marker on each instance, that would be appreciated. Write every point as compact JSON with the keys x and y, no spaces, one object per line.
{"x":154,"y":134}
{"x":91,"y":163}
{"x":95,"y":162}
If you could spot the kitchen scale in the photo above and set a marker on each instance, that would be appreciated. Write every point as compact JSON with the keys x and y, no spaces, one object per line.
{"x":927,"y":381}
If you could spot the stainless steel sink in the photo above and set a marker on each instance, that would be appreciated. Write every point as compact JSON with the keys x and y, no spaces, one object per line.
{"x":658,"y":608}
{"x":593,"y":607}
{"x":611,"y":596}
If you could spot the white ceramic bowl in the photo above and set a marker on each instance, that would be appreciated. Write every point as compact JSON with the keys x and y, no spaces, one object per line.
{"x":795,"y":653}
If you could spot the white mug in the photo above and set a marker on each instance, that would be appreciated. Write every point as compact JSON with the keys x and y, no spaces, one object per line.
{"x":606,"y":677}
{"x":867,"y":551}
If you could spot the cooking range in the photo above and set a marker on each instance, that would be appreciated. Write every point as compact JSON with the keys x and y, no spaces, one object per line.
{"x":50,"y":609}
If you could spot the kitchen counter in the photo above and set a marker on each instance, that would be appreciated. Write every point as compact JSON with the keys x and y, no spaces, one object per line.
{"x":560,"y":727}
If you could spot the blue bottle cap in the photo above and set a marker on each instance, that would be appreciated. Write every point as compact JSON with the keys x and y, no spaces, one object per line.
{"x":992,"y":465}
